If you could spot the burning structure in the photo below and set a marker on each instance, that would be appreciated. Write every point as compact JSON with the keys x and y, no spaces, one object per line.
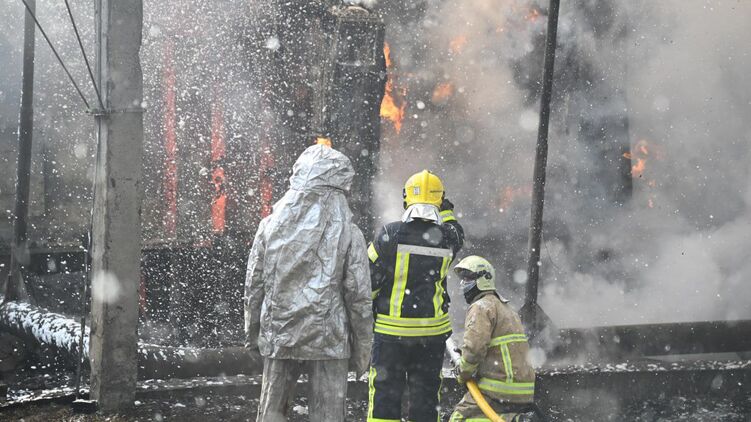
{"x":218,"y":153}
{"x":615,"y":158}
{"x":462,"y":101}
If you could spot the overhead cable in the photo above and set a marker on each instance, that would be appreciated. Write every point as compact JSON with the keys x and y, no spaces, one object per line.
{"x":44,"y":34}
{"x":85,"y":58}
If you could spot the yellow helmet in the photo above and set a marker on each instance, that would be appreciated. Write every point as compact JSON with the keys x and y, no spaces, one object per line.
{"x":423,"y":188}
{"x":477,"y":269}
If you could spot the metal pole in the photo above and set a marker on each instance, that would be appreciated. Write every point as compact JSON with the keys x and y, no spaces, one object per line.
{"x":19,"y":255}
{"x":529,"y":311}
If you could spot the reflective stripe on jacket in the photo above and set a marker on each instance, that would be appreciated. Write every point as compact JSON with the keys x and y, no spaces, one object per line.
{"x":408,"y":264}
{"x":496,"y":346}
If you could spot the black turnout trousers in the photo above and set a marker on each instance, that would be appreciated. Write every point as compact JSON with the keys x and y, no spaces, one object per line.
{"x":414,"y":364}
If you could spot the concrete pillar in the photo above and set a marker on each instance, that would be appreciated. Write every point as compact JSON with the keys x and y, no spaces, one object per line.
{"x":116,"y":234}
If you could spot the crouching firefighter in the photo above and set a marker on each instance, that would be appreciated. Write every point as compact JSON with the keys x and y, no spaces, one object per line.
{"x":494,"y":349}
{"x":409,"y":260}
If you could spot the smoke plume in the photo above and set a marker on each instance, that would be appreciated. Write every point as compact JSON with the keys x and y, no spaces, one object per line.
{"x":666,"y":243}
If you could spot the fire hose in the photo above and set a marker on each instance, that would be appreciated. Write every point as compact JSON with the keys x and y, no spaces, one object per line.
{"x":474,"y":390}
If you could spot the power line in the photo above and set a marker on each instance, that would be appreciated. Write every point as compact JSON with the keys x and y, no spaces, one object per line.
{"x":28,"y":9}
{"x":83,"y":52}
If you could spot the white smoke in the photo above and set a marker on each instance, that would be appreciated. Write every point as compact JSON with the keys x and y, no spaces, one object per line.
{"x":675,"y":251}
{"x":683,"y":235}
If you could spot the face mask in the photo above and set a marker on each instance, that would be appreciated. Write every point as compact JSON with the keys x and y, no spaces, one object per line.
{"x":467,"y":285}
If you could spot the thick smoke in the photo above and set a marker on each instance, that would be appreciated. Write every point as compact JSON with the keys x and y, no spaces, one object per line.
{"x":674,"y":251}
{"x":677,"y":70}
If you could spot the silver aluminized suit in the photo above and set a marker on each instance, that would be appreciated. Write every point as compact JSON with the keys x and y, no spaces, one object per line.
{"x":307,"y":290}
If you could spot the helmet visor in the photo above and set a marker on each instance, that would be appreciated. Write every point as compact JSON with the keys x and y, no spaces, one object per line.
{"x":466,"y":274}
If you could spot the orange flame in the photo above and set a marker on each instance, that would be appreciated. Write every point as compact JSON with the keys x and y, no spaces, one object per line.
{"x":532,"y":15}
{"x":442,"y":92}
{"x":639,"y":158}
{"x":392,"y":105}
{"x":510,"y":195}
{"x":637,"y":169}
{"x":219,"y":202}
{"x":457,"y":44}
{"x":323,"y":141}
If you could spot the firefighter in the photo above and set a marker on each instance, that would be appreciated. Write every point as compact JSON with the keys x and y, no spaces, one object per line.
{"x":409,"y":260}
{"x":307,"y":292}
{"x":494,"y":349}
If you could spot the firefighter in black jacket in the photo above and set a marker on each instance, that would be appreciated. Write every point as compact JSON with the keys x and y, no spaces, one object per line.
{"x":409,"y":260}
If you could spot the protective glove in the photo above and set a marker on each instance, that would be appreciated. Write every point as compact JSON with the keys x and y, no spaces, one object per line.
{"x":463,"y":376}
{"x":465,"y":371}
{"x":446,"y":205}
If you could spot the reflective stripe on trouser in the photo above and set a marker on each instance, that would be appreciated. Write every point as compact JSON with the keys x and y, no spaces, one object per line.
{"x":414,"y":365}
{"x":468,"y":411}
{"x":327,"y":380}
{"x":412,"y":327}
